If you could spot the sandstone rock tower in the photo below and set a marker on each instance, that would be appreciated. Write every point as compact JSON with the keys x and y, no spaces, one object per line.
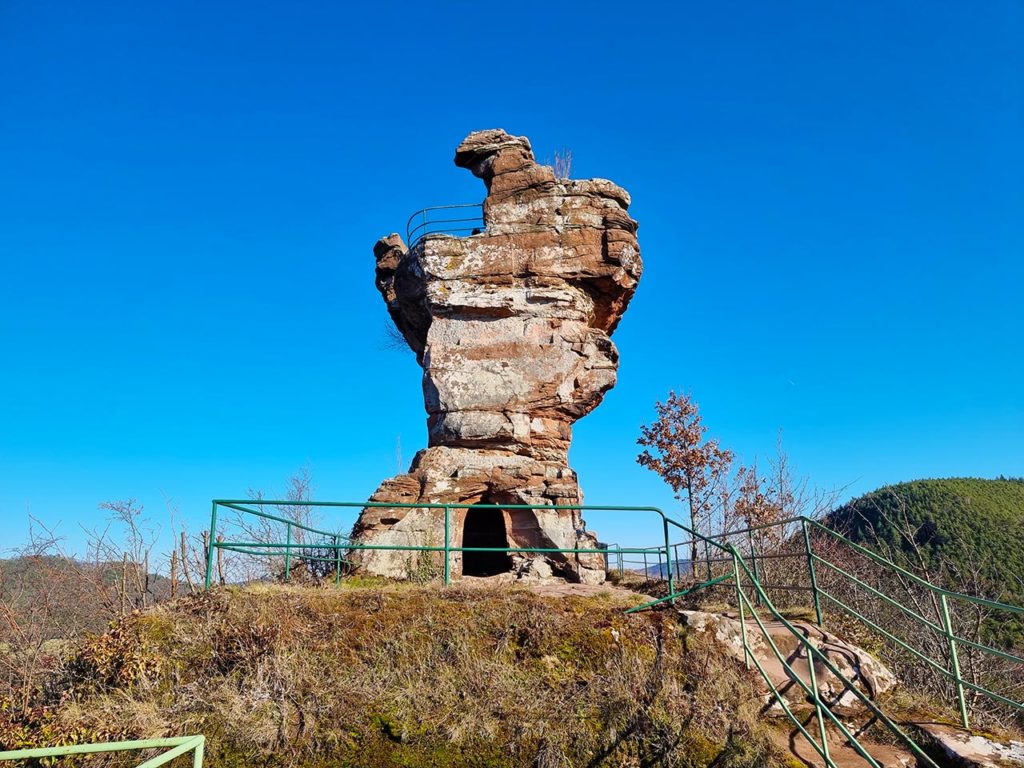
{"x":512,"y":326}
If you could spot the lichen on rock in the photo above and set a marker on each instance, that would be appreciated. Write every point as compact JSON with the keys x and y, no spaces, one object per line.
{"x":512,"y":326}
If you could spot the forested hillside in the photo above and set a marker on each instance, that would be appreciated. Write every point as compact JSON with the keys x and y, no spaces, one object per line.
{"x":968,"y":530}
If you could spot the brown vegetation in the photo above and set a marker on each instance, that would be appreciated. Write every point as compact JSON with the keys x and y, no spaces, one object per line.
{"x":695,"y":467}
{"x":401,"y":675}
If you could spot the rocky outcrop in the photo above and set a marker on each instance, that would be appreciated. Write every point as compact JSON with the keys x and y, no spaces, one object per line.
{"x":958,"y":748}
{"x":512,"y":327}
{"x":871,"y":677}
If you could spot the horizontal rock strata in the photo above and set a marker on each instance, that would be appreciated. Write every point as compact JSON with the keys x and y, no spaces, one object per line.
{"x":512,"y":327}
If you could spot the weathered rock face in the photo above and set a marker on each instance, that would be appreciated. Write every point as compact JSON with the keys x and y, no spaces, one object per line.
{"x":870,"y":675}
{"x":512,"y":327}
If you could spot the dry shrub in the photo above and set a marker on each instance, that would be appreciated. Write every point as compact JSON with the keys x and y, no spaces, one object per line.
{"x":415,"y":676}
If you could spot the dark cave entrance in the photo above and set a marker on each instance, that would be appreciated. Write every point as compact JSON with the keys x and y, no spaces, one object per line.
{"x":484,"y":528}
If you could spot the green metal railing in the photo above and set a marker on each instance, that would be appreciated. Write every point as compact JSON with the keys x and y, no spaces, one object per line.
{"x":742,"y":570}
{"x":649,"y":561}
{"x":172,"y":748}
{"x":342,"y":544}
{"x":798,"y":540}
{"x":944,"y":629}
{"x":291,"y":546}
{"x":815,"y":657}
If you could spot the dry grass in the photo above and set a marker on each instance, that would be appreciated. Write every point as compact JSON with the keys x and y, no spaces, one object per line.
{"x":398,"y":675}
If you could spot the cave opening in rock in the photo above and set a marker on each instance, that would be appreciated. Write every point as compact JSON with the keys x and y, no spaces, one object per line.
{"x":484,"y":528}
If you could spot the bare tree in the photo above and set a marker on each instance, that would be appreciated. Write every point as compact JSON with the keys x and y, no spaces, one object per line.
{"x":130,"y":546}
{"x":188,"y":552}
{"x":310,"y":554}
{"x":753,"y":506}
{"x":767,"y":503}
{"x":562,"y":164}
{"x":46,"y":598}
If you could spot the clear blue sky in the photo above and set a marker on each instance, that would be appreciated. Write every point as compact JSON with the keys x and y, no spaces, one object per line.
{"x":830,"y":200}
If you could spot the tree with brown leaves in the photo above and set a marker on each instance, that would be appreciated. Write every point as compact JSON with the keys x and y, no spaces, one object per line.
{"x":676,"y":446}
{"x":754,"y":505}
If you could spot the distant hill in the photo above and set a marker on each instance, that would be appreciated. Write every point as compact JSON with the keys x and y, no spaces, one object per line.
{"x":64,"y":597}
{"x":958,"y":524}
{"x":657,"y":570}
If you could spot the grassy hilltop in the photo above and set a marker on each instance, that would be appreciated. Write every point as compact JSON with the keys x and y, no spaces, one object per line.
{"x":404,"y":675}
{"x":375,"y":674}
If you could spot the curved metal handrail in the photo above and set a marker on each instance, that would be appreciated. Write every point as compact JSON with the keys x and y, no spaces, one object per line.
{"x":423,"y":222}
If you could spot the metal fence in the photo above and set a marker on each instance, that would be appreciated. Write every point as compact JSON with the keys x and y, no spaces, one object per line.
{"x":462,"y":219}
{"x":335,"y":548}
{"x":800,"y":561}
{"x":302,"y":543}
{"x":866,"y":586}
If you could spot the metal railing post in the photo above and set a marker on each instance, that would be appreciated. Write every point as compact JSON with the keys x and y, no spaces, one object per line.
{"x":739,"y":604}
{"x":288,"y":554}
{"x":812,"y":676}
{"x":210,"y":544}
{"x":447,"y":547}
{"x":753,"y":564}
{"x":947,"y":626}
{"x":668,"y":561}
{"x":813,"y":572}
{"x":337,"y":562}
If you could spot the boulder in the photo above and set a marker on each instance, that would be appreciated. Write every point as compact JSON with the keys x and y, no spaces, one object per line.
{"x":868,"y":674}
{"x":964,"y":749}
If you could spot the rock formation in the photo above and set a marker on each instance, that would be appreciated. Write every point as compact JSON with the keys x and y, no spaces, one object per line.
{"x":512,"y":327}
{"x":870,"y":675}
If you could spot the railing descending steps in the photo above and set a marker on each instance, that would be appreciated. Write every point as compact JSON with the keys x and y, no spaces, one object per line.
{"x":754,"y":568}
{"x":838,"y":574}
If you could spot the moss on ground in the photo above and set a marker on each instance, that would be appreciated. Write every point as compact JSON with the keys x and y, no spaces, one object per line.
{"x":397,"y":675}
